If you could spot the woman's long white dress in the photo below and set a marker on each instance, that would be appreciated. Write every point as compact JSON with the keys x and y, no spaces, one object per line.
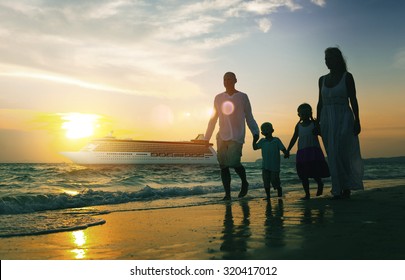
{"x":341,"y":145}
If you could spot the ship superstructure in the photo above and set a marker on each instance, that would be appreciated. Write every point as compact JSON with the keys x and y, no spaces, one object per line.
{"x":110,"y":150}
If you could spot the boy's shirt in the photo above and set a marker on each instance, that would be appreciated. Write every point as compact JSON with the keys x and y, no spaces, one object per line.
{"x":271,"y":153}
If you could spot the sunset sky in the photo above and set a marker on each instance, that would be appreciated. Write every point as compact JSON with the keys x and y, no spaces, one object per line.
{"x":75,"y":70}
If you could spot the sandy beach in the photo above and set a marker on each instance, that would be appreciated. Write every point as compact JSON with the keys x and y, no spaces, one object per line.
{"x":368,"y":226}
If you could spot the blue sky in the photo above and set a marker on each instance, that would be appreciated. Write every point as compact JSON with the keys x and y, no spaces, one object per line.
{"x":151,"y":69}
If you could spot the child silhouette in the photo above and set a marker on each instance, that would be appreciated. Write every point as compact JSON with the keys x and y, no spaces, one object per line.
{"x":310,"y":161}
{"x":271,"y":147}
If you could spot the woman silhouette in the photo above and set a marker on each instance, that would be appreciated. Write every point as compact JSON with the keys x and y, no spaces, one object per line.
{"x":338,"y":117}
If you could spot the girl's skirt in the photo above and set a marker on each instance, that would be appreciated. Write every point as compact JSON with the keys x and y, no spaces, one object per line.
{"x":311,"y":163}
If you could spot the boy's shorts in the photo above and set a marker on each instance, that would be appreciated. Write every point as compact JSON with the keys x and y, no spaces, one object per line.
{"x":271,"y":178}
{"x":229,"y":153}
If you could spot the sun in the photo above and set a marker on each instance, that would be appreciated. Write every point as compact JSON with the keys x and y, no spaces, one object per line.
{"x":78,"y":125}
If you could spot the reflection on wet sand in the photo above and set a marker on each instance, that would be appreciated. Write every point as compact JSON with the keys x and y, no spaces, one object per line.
{"x":79,"y":240}
{"x":274,"y":224}
{"x":313,"y":214}
{"x":235,"y":236}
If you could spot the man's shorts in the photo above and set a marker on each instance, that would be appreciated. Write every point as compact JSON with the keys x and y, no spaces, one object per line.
{"x":229,"y":153}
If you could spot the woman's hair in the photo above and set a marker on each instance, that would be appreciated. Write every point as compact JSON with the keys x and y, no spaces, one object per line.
{"x":335,"y":51}
{"x":304,"y":106}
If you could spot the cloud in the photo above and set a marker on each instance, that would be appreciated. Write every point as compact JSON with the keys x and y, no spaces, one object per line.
{"x":108,"y":9}
{"x":207,"y":6}
{"x":264,"y":24}
{"x":320,"y":3}
{"x":22,"y":7}
{"x":399,"y":59}
{"x":262,"y":7}
{"x":190,"y":28}
{"x":116,"y":45}
{"x":66,"y":80}
{"x":215,"y":43}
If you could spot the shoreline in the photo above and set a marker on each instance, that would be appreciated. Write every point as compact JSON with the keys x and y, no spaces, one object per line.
{"x":368,"y":226}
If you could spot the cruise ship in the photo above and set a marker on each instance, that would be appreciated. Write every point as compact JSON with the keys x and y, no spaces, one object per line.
{"x":110,"y":150}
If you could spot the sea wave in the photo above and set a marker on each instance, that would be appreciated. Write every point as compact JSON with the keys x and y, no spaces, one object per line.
{"x":28,"y":203}
{"x":48,"y":198}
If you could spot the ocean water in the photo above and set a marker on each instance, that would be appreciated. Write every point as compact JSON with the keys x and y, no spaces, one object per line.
{"x":46,"y":198}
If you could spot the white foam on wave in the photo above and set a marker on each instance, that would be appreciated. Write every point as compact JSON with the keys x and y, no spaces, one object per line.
{"x":47,"y":222}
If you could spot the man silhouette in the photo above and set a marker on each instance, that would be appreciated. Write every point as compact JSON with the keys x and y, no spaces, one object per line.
{"x":232,"y":108}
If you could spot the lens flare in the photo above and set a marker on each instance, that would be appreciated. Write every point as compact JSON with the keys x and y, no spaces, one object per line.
{"x":162,"y":116}
{"x":227,"y":107}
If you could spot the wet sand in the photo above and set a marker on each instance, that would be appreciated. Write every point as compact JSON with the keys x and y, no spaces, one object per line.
{"x":368,"y":226}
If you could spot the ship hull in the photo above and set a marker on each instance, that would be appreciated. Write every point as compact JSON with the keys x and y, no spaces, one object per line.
{"x":134,"y":158}
{"x":109,"y":150}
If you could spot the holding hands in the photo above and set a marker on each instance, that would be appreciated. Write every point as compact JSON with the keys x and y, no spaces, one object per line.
{"x":317,"y":128}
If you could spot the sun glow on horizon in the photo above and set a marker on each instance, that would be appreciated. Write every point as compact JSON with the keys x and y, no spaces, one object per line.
{"x":79,"y":125}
